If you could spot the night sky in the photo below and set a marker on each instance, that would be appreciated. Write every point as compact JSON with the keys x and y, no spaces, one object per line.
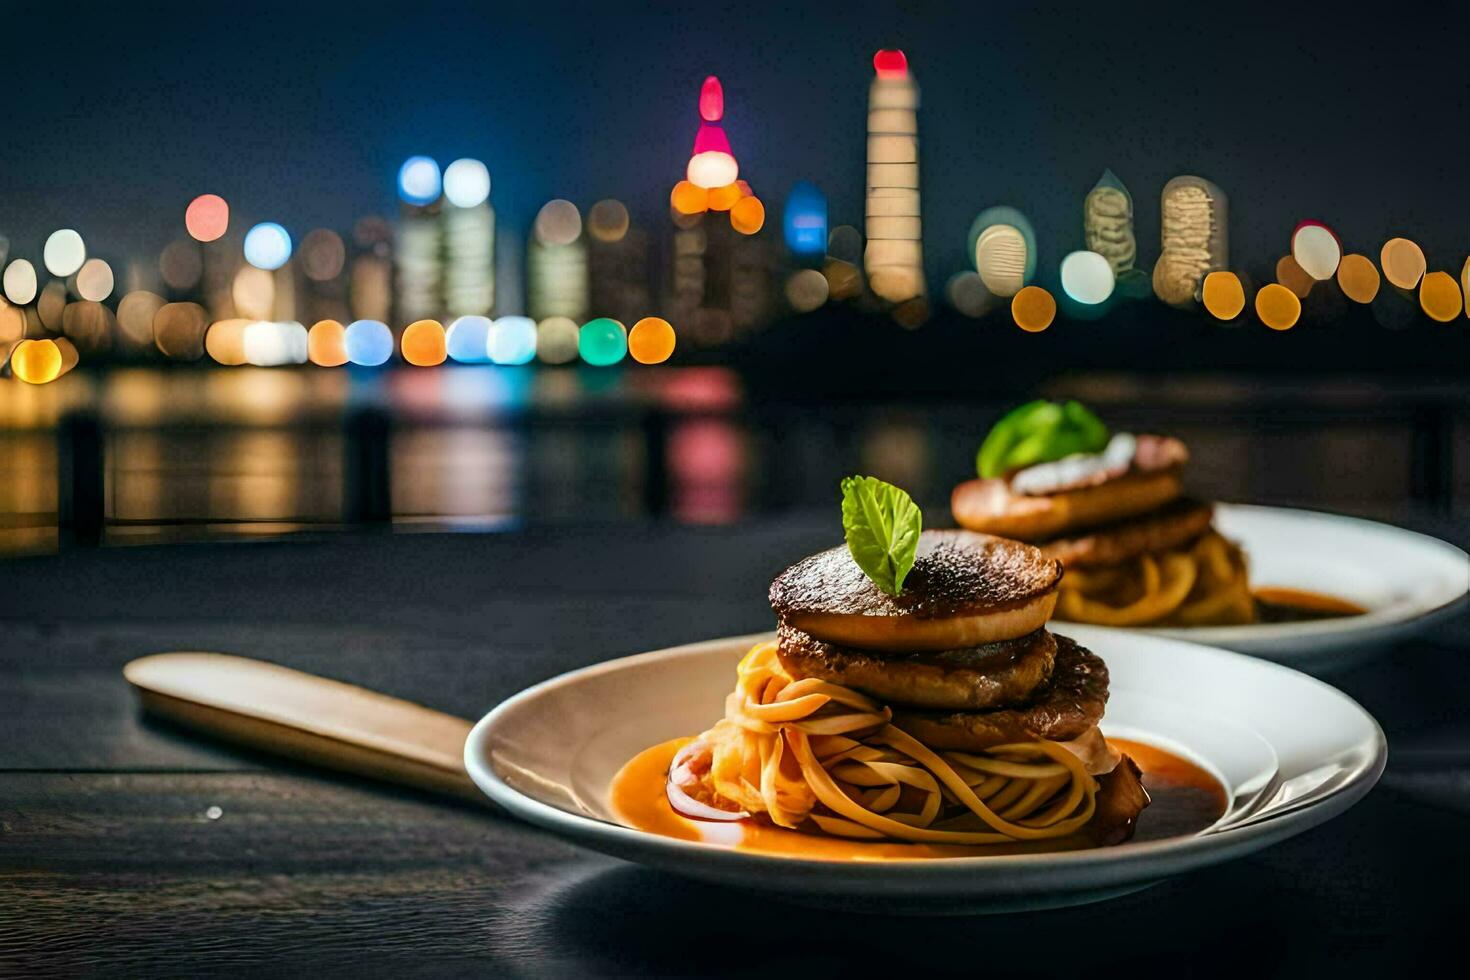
{"x":301,"y":113}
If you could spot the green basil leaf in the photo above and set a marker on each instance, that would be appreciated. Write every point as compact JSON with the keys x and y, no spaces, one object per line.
{"x":881,"y":524}
{"x":1040,"y":432}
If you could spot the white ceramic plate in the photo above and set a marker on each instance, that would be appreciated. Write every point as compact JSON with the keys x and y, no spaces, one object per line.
{"x":1290,"y":750}
{"x":1405,"y":580}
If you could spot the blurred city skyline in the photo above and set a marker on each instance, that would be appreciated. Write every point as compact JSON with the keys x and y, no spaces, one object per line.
{"x":303,"y":115}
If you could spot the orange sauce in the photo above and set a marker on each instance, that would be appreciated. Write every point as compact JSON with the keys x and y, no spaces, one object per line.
{"x":1190,"y":798}
{"x":1297,"y":604}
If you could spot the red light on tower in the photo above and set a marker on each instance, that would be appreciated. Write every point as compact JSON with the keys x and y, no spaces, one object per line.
{"x":711,"y":139}
{"x":711,"y":100}
{"x":891,"y":63}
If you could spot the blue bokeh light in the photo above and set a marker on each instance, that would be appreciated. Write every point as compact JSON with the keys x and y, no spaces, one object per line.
{"x":368,"y":342}
{"x":513,"y":340}
{"x":805,"y":221}
{"x":467,"y":340}
{"x":419,"y":181}
{"x":267,"y":246}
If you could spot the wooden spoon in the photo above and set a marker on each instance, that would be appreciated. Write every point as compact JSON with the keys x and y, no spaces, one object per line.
{"x":296,"y":714}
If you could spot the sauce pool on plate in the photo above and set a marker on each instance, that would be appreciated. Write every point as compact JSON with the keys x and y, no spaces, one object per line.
{"x":1275,"y":604}
{"x":1186,"y":800}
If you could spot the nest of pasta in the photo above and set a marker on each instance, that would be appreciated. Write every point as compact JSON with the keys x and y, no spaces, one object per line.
{"x":889,"y":734}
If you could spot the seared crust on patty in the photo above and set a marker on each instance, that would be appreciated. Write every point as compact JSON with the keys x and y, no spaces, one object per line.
{"x":990,"y":506}
{"x":1062,"y":709}
{"x":994,"y":675}
{"x":955,"y":573}
{"x":1167,"y":529}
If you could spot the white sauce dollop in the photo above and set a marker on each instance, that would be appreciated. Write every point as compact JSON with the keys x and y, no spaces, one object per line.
{"x":1044,"y":478}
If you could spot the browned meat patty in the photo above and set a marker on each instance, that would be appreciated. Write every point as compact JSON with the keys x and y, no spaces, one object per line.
{"x":965,"y":589}
{"x":1071,"y":702}
{"x":992,"y":507}
{"x":991,"y":676}
{"x":1166,"y":529}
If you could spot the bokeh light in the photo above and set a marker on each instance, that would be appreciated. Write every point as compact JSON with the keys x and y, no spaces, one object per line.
{"x":135,"y":315}
{"x":181,"y":265}
{"x":467,"y":339}
{"x":94,"y":280}
{"x":1033,"y":309}
{"x":64,"y":253}
{"x":1358,"y":278}
{"x":12,"y":325}
{"x":1087,"y":278}
{"x":607,"y":221}
{"x":711,"y":100}
{"x":322,"y":255}
{"x":1277,"y":306}
{"x":269,"y":344}
{"x":90,"y":326}
{"x":804,"y":220}
{"x":224,"y":342}
{"x":368,"y":342}
{"x":1290,"y":274}
{"x":967,"y":294}
{"x":651,"y":341}
{"x":512,"y":340}
{"x":19,"y":282}
{"x":806,"y":290}
{"x":466,"y":183}
{"x":52,"y":304}
{"x":602,"y":342}
{"x":253,"y":292}
{"x":419,"y":181}
{"x":36,"y":361}
{"x":1403,"y":262}
{"x":423,"y":343}
{"x":326,"y":343}
{"x":712,"y":168}
{"x":890,"y":63}
{"x":1316,"y":249}
{"x":558,"y":223}
{"x":1439,"y":297}
{"x":178,"y":331}
{"x":748,"y":215}
{"x":207,"y":218}
{"x":1223,"y":295}
{"x":724,"y":198}
{"x":267,"y":246}
{"x":687,"y":198}
{"x":556,"y":340}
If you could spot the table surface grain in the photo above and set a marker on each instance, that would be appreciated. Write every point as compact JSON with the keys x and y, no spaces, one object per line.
{"x":134,"y":848}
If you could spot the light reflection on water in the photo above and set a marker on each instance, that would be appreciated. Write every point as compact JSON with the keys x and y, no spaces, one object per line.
{"x":189,"y":452}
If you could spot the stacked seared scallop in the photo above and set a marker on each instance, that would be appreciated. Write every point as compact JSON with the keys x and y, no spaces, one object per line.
{"x":961,"y":655}
{"x":1137,"y":550}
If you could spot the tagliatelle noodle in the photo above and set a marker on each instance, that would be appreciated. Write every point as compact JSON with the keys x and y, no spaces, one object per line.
{"x":1205,"y":584}
{"x":800,"y":750}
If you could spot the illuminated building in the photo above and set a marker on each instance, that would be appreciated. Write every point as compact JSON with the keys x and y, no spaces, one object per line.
{"x":1003,"y":245}
{"x":469,"y":240}
{"x":894,"y":255}
{"x":712,"y":176}
{"x":418,"y":249}
{"x":556,"y":264}
{"x":1194,"y":233}
{"x":1107,"y":223}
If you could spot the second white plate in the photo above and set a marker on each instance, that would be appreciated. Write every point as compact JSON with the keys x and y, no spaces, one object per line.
{"x":1405,"y":580}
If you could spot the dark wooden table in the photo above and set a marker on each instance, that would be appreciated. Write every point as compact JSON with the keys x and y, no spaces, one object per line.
{"x":132,"y":848}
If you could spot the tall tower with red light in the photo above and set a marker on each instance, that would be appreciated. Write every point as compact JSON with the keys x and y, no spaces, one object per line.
{"x":894,"y":257}
{"x":711,"y":180}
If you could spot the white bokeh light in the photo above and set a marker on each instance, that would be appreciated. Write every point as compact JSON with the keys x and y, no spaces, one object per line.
{"x":466,"y":183}
{"x":64,"y":253}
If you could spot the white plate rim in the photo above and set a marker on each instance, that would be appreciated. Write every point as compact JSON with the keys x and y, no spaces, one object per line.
{"x":1343,"y":633}
{"x":1103,"y":865}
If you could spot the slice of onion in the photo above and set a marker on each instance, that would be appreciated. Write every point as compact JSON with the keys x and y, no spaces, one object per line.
{"x":680,"y":775}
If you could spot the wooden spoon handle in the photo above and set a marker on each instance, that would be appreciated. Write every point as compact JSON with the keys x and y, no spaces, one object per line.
{"x":293,"y":713}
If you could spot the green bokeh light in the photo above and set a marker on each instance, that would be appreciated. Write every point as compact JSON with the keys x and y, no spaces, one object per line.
{"x":602,"y":342}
